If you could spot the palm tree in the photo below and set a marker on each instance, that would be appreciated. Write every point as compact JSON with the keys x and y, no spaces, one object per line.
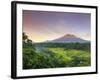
{"x":26,"y":40}
{"x":25,"y":37}
{"x":29,"y":41}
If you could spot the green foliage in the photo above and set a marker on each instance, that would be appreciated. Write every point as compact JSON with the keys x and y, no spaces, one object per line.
{"x":28,"y":56}
{"x":52,"y":55}
{"x":77,"y":46}
{"x":37,"y":56}
{"x":72,"y":57}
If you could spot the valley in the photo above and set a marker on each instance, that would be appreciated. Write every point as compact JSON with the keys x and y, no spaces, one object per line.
{"x":56,"y":55}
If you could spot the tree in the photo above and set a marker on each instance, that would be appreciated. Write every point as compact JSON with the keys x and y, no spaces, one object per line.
{"x":29,"y":42}
{"x":26,"y":41}
{"x":25,"y":37}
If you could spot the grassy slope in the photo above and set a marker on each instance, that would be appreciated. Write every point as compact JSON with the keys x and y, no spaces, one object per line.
{"x":52,"y":56}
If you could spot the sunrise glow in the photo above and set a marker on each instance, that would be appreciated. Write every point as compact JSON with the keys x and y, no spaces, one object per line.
{"x":42,"y":25}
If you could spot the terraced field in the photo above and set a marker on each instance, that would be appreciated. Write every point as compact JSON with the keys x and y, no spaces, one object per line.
{"x":53,"y":55}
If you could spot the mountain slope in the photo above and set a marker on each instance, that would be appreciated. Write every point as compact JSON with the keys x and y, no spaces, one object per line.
{"x":69,"y":38}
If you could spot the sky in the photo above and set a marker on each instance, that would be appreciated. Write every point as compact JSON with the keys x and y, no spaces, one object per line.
{"x":47,"y":25}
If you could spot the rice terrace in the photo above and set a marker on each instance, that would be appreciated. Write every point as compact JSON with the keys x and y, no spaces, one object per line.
{"x":52,"y":55}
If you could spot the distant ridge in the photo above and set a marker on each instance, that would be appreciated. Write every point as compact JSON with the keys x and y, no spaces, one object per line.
{"x":68,"y":38}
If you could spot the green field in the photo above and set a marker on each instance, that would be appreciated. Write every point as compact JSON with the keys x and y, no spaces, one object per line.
{"x":53,"y":55}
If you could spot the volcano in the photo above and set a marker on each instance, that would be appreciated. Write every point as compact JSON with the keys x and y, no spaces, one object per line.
{"x":69,"y":38}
